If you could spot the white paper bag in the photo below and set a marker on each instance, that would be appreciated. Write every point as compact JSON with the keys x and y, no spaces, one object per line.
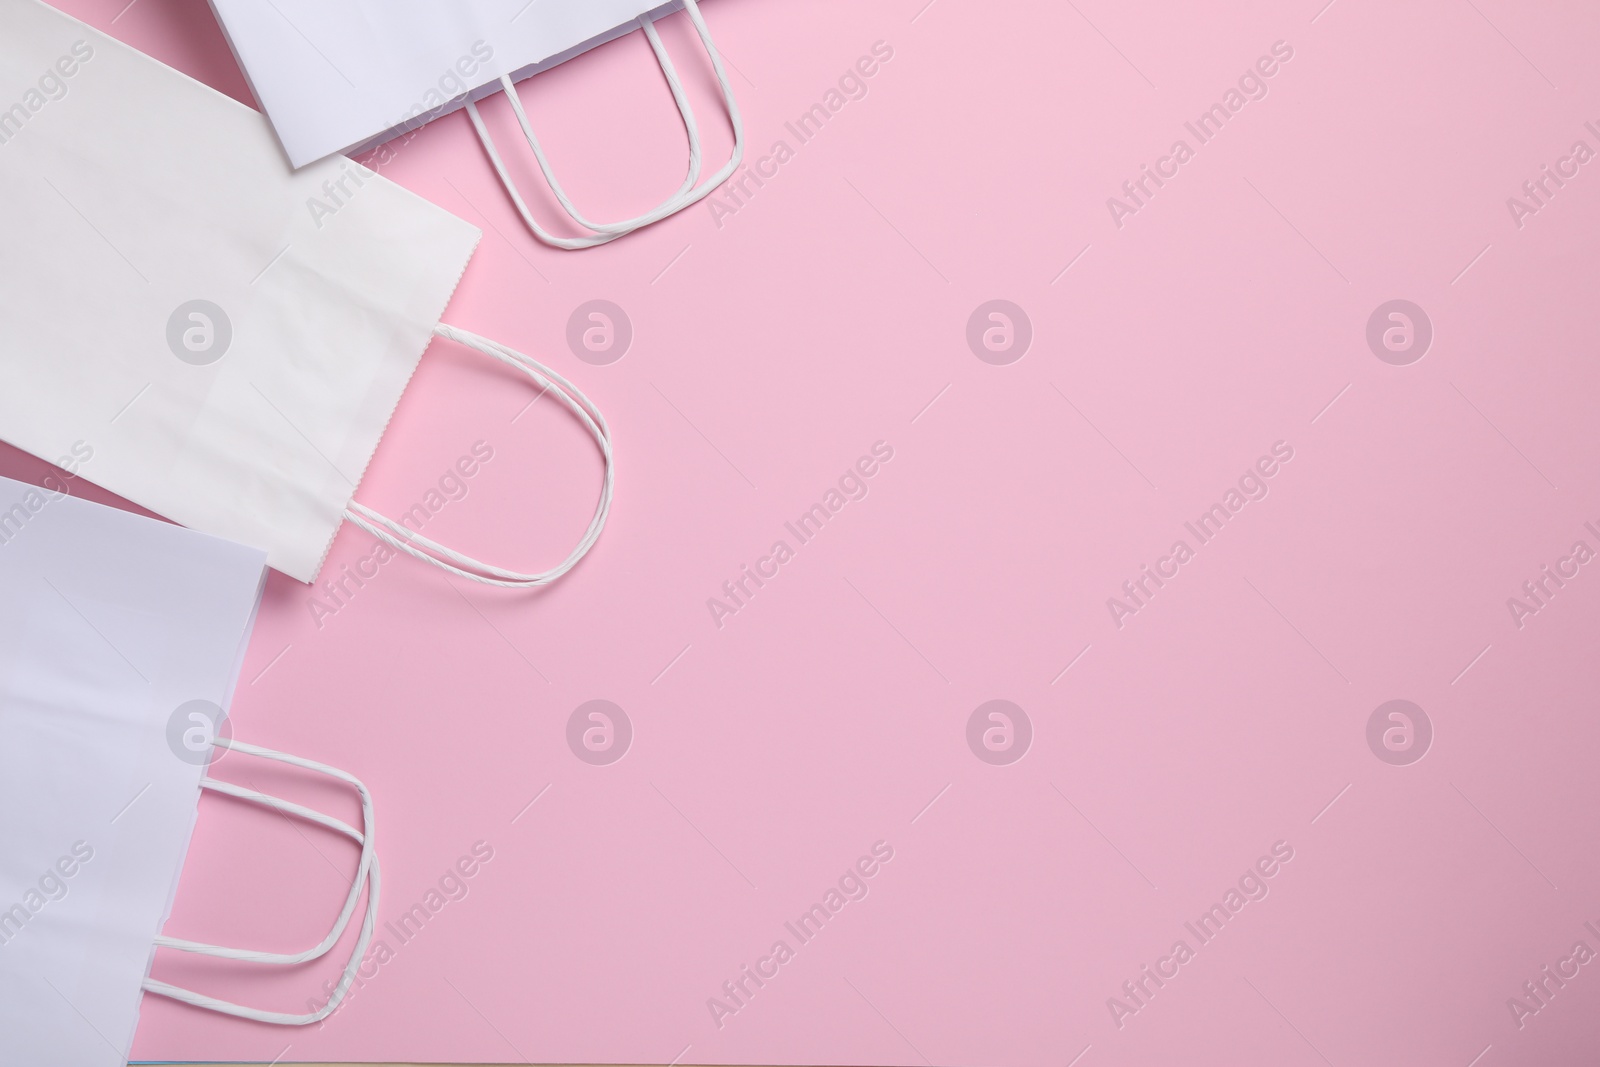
{"x":120,"y":644}
{"x":338,"y":76}
{"x":346,"y":75}
{"x":229,"y":335}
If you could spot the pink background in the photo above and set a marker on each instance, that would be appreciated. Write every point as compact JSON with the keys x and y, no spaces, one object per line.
{"x":829,"y":313}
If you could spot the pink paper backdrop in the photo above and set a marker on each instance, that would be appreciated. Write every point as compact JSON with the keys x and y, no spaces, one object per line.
{"x":1171,"y":344}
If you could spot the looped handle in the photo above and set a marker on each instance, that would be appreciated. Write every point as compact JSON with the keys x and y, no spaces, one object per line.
{"x":412,"y":543}
{"x":686,"y":195}
{"x":365,"y":872}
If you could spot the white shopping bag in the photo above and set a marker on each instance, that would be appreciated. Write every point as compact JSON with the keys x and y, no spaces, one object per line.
{"x":120,"y":644}
{"x":346,"y":75}
{"x":230,"y":336}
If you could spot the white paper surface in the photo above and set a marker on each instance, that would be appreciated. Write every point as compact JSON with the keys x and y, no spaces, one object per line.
{"x":343,"y":75}
{"x":138,"y":192}
{"x":111,"y":621}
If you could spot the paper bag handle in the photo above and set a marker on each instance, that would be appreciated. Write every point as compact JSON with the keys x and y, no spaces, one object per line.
{"x":686,"y":194}
{"x":398,"y":537}
{"x":365,"y":872}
